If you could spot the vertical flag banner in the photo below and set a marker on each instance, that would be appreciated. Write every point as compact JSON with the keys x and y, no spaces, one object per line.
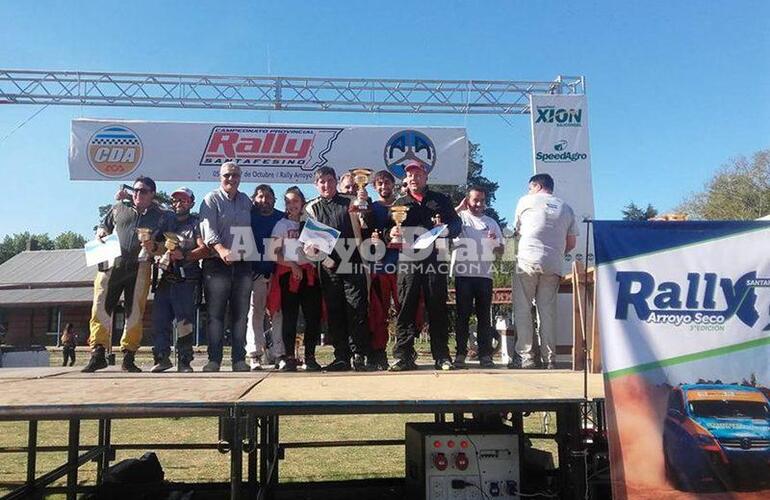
{"x":560,"y":148}
{"x":684,"y":319}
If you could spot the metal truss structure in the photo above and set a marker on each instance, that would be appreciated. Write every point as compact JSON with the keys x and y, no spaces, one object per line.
{"x":277,"y":93}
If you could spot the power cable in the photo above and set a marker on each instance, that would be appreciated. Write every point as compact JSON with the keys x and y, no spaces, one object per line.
{"x":23,"y":123}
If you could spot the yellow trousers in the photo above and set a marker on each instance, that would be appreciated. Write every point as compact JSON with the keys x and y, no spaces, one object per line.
{"x":131,"y":283}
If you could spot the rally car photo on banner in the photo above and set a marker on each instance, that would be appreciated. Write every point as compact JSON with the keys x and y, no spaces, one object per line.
{"x":715,"y":435}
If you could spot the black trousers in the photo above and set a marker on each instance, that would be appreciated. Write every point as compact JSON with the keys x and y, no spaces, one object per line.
{"x":69,"y":354}
{"x":309,"y":297}
{"x":434,"y":288}
{"x":474,"y":294}
{"x":346,"y":312}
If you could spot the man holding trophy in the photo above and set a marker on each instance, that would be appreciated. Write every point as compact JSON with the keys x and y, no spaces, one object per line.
{"x":383,"y":290}
{"x":137,"y":226}
{"x":343,"y":282}
{"x":421,"y":272}
{"x":177,"y":293}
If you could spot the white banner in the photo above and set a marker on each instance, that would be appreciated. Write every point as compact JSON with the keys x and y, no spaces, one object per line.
{"x":684,"y":316}
{"x":560,"y":148}
{"x":171,"y":151}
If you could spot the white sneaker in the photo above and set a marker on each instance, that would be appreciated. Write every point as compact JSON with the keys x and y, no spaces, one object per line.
{"x":254,"y":363}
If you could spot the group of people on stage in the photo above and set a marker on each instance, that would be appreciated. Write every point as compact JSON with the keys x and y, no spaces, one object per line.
{"x":351,"y":288}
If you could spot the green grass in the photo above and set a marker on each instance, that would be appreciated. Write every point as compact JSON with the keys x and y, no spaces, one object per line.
{"x":300,"y":465}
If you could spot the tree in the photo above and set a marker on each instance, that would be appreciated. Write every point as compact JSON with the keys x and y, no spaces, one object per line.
{"x":18,"y":242}
{"x":69,"y":239}
{"x":633,"y":212}
{"x":740,"y":190}
{"x":475,"y":177}
{"x":13,"y":244}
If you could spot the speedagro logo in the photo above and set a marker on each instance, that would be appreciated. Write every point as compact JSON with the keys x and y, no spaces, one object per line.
{"x":562,"y":155}
{"x":301,"y":147}
{"x":115,"y":151}
{"x":561,"y":117}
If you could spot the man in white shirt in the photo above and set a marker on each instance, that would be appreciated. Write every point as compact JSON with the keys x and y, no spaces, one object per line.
{"x":474,"y":253}
{"x":547,"y":230}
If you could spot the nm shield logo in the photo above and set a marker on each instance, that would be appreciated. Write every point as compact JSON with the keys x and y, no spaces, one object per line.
{"x":115,"y":151}
{"x":409,"y":145}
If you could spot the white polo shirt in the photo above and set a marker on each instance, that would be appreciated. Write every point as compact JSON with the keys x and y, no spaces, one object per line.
{"x":543,"y":222}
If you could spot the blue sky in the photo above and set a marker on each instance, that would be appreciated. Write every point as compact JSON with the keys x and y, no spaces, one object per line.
{"x":675,"y":89}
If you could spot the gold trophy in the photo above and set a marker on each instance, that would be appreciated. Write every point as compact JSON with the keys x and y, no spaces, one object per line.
{"x":144,"y":234}
{"x":398,"y":214}
{"x":172,"y":243}
{"x":361,"y":177}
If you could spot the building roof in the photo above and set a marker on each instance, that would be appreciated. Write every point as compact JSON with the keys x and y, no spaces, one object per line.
{"x":51,"y":277}
{"x":46,"y":267}
{"x":46,"y":296}
{"x":47,"y":277}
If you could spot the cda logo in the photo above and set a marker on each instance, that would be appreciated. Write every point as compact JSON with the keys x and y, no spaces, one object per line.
{"x":667,"y":304}
{"x":561,"y":117}
{"x":115,"y":151}
{"x":561,"y":155}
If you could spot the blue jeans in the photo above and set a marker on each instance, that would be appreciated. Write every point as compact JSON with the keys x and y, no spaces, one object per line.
{"x":227,"y":285}
{"x":174,"y":302}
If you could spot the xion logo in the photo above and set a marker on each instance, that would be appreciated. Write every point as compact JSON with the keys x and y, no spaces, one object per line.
{"x":562,"y":117}
{"x":665,"y":302}
{"x":270,"y":146}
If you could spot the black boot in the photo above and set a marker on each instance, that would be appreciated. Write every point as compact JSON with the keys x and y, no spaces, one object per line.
{"x":128,"y":363}
{"x":162,"y":363}
{"x":185,"y":360}
{"x":359,"y":362}
{"x":98,"y":360}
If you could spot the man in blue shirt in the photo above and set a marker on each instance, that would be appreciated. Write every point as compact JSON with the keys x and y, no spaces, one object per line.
{"x":225,"y":213}
{"x":176,"y":296}
{"x":264,"y":216}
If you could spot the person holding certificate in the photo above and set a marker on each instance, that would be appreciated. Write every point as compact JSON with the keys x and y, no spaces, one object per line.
{"x":342,"y":274}
{"x":136,"y":225}
{"x":420,"y":271}
{"x":295,"y":284}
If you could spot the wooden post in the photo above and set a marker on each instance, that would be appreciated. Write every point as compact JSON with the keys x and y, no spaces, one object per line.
{"x":578,"y":308}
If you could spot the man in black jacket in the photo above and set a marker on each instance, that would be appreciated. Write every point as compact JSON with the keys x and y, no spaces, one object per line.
{"x":128,"y":276}
{"x":343,"y":282}
{"x":422,"y":272}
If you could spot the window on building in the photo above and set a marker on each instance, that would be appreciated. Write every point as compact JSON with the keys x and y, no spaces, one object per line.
{"x":3,"y":325}
{"x":53,"y":320}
